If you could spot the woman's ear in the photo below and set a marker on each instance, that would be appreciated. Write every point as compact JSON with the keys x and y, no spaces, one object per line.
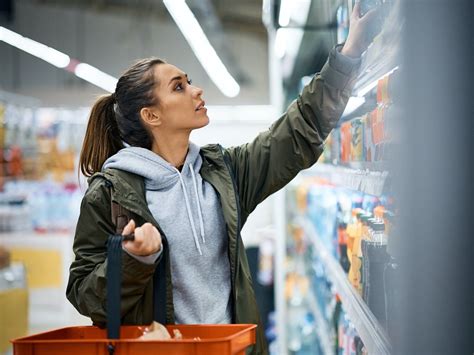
{"x":149,"y":117}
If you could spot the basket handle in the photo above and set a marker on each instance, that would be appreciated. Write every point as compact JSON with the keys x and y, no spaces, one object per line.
{"x":114,"y":285}
{"x":120,"y":217}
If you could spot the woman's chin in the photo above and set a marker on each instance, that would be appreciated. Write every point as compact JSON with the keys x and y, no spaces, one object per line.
{"x":203,"y":121}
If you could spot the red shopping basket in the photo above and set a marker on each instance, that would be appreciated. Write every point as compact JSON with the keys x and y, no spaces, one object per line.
{"x":219,"y":339}
{"x":206,"y":339}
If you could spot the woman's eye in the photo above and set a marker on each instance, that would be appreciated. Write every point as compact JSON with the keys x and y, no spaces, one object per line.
{"x":179,"y":87}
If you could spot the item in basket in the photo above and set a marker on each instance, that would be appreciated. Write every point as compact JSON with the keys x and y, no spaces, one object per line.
{"x":357,"y":140}
{"x":177,"y":334}
{"x":155,"y":331}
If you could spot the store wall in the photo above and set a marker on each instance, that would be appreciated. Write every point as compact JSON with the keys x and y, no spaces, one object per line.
{"x":111,"y":42}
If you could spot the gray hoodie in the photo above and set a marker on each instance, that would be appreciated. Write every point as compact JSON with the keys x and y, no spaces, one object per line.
{"x":187,"y":209}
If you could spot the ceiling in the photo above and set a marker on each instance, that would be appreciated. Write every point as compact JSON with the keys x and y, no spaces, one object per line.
{"x":217,"y":17}
{"x":244,"y":14}
{"x":221,"y":17}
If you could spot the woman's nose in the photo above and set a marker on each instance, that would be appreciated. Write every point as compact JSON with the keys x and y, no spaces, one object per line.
{"x":198,"y":91}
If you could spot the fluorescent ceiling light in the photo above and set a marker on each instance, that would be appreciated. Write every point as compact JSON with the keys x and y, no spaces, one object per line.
{"x":362,"y":92}
{"x":96,"y":77}
{"x":37,"y":49}
{"x":293,"y":10}
{"x":287,"y":42}
{"x":201,"y":47}
{"x":286,"y":9}
{"x":281,"y":39}
{"x":59,"y":59}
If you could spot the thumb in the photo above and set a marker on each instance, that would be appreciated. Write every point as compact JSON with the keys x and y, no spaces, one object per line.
{"x":129,"y":228}
{"x":356,"y":10}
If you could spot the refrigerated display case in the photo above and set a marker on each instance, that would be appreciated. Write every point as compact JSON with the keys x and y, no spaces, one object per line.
{"x":334,"y":286}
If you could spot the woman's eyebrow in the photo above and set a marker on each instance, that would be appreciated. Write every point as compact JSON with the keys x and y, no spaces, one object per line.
{"x":178,"y":78}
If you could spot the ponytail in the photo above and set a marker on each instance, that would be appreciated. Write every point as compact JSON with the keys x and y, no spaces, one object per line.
{"x":102,"y":138}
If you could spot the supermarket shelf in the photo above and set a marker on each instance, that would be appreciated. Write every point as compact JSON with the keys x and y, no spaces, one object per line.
{"x":367,"y":165}
{"x":321,"y":324}
{"x":20,"y":100}
{"x":355,"y":178}
{"x":369,"y":329}
{"x":383,"y":55}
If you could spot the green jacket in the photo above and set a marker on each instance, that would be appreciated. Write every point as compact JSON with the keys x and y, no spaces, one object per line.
{"x":243,"y":176}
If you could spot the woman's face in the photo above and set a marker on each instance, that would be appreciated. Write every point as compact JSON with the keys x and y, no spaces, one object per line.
{"x":180,"y":104}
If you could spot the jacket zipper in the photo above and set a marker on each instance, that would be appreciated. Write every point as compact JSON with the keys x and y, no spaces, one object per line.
{"x":236,"y":264}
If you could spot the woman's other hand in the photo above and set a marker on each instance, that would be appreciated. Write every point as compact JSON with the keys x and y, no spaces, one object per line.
{"x":360,"y":33}
{"x":147,"y":239}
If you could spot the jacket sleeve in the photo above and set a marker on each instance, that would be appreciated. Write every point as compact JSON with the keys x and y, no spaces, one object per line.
{"x":295,"y":141}
{"x":86,"y":288}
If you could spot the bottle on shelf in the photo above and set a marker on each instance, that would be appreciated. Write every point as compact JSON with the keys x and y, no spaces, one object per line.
{"x":376,"y":260}
{"x":362,"y":229}
{"x":367,"y":238}
{"x":352,"y":230}
{"x":379,"y":213}
{"x":343,"y":238}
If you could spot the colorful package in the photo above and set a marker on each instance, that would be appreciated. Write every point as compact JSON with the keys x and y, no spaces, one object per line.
{"x":357,"y":140}
{"x":345,"y":142}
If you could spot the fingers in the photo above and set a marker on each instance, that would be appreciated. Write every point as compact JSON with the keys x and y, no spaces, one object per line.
{"x":369,"y":16}
{"x":129,"y":228}
{"x":356,"y":10}
{"x":147,"y":240}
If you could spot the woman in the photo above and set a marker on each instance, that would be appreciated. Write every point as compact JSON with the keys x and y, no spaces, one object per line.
{"x":188,"y":204}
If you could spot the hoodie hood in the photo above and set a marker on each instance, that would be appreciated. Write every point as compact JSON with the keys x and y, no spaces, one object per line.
{"x":157,"y":172}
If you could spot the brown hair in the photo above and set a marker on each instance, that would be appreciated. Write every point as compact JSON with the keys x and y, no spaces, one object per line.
{"x":115,"y":118}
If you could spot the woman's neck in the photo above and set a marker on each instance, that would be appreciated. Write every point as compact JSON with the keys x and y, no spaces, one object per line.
{"x":172,"y":149}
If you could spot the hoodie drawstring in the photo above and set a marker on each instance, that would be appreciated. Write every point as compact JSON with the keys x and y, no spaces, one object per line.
{"x":188,"y":209}
{"x":201,"y":221}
